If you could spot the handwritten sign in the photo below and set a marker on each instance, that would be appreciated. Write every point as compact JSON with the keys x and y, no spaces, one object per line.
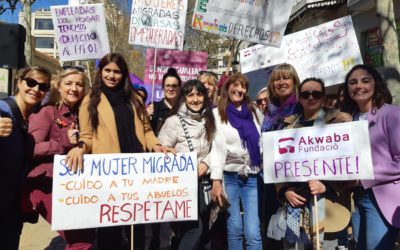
{"x":257,"y":21}
{"x":326,"y":51}
{"x":332,"y":152}
{"x":80,"y":31}
{"x":158,"y":23}
{"x":187,"y":63}
{"x":124,"y":189}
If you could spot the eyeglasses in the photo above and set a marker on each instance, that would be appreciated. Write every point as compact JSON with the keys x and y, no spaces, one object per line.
{"x":261,"y":100}
{"x":314,"y":94}
{"x":172,"y":86}
{"x":31,"y":83}
{"x":210,"y":73}
{"x":78,"y":68}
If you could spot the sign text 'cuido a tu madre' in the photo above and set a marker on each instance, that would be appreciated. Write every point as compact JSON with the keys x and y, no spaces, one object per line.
{"x":124,"y":189}
{"x":331,"y":152}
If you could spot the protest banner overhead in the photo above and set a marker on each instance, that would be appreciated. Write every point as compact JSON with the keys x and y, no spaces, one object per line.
{"x":257,"y":21}
{"x":80,"y":31}
{"x":187,"y":63}
{"x":124,"y":189}
{"x":326,"y":51}
{"x":332,"y":152}
{"x":158,"y":24}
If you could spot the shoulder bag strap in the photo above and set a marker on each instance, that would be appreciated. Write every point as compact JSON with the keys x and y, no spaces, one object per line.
{"x":189,"y":141}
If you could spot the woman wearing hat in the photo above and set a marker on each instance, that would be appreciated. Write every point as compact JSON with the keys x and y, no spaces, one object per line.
{"x":298,"y":196}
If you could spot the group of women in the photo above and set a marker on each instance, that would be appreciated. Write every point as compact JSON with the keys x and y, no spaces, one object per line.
{"x":224,"y":132}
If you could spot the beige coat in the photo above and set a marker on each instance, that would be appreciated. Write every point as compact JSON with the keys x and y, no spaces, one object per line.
{"x":105,"y":139}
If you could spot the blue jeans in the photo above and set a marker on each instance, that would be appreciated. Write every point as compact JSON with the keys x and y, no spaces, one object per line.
{"x":248,"y":193}
{"x":371,"y":230}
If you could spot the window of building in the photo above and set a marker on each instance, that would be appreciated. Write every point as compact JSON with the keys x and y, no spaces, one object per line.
{"x":44,"y":24}
{"x":44,"y":42}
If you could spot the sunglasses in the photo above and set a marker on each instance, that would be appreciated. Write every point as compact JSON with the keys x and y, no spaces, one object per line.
{"x":314,"y":94}
{"x":205,"y":72}
{"x":31,"y":83}
{"x":261,"y":100}
{"x":78,"y":68}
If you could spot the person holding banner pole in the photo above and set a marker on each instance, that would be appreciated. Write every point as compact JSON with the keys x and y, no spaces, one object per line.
{"x":15,"y":150}
{"x":236,"y":159}
{"x":190,"y":126}
{"x":282,"y":88}
{"x":300,"y":199}
{"x":376,"y":220}
{"x":113,"y":119}
{"x":54,"y":130}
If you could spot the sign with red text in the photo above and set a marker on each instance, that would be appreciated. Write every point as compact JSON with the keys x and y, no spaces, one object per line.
{"x":332,"y":152}
{"x":327,"y":51}
{"x":257,"y":21}
{"x":124,"y":189}
{"x":80,"y":31}
{"x":158,"y":23}
{"x":188,"y":64}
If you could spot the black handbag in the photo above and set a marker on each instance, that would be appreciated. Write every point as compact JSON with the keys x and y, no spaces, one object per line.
{"x":205,"y":184}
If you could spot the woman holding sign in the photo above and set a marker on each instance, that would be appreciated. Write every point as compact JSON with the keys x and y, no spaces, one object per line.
{"x":113,"y":119}
{"x":32,"y":85}
{"x":236,"y":158}
{"x":376,"y":221}
{"x":54,"y":130}
{"x":297,"y":197}
{"x":191,"y":127}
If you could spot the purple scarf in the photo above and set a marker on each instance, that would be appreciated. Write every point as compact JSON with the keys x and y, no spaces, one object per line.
{"x":273,"y":119}
{"x":242,"y":121}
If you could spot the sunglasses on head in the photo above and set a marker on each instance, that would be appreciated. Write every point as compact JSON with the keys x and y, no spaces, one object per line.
{"x":31,"y":83}
{"x":78,"y":68}
{"x":314,"y":94}
{"x":205,"y":72}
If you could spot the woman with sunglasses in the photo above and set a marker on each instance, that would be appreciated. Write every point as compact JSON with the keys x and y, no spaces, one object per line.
{"x":236,"y":159}
{"x":262,"y":99}
{"x":190,"y":126}
{"x":32,"y":86}
{"x":210,"y":81}
{"x":297,"y":196}
{"x":376,"y":220}
{"x":54,"y":130}
{"x":113,"y":119}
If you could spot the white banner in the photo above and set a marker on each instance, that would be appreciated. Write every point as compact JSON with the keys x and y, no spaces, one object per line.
{"x":80,"y":31}
{"x":332,"y":152}
{"x":326,"y":51}
{"x":124,"y":189}
{"x":158,"y":24}
{"x":257,"y":21}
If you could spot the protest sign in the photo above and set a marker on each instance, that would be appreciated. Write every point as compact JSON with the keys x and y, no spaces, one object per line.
{"x":187,"y":63}
{"x":124,"y":189}
{"x":332,"y":152}
{"x":158,"y":23}
{"x":80,"y":31}
{"x":257,"y":21}
{"x":326,"y":51}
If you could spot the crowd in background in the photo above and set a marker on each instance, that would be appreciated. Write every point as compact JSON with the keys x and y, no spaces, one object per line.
{"x":218,"y":120}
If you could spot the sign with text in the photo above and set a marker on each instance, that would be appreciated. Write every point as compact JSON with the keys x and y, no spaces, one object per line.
{"x":332,"y":152}
{"x":80,"y":31}
{"x":158,"y":24}
{"x":188,"y":64}
{"x":257,"y":21}
{"x":327,"y":51}
{"x":124,"y":189}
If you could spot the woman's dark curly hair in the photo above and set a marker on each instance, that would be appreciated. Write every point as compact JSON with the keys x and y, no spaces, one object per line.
{"x":188,"y":87}
{"x":381,"y":92}
{"x":131,"y":93}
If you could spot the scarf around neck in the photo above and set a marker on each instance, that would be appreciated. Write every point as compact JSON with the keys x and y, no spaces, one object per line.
{"x":273,"y":119}
{"x":242,"y":121}
{"x":124,"y":119}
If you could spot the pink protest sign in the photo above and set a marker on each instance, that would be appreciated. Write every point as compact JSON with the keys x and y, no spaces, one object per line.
{"x":187,"y":63}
